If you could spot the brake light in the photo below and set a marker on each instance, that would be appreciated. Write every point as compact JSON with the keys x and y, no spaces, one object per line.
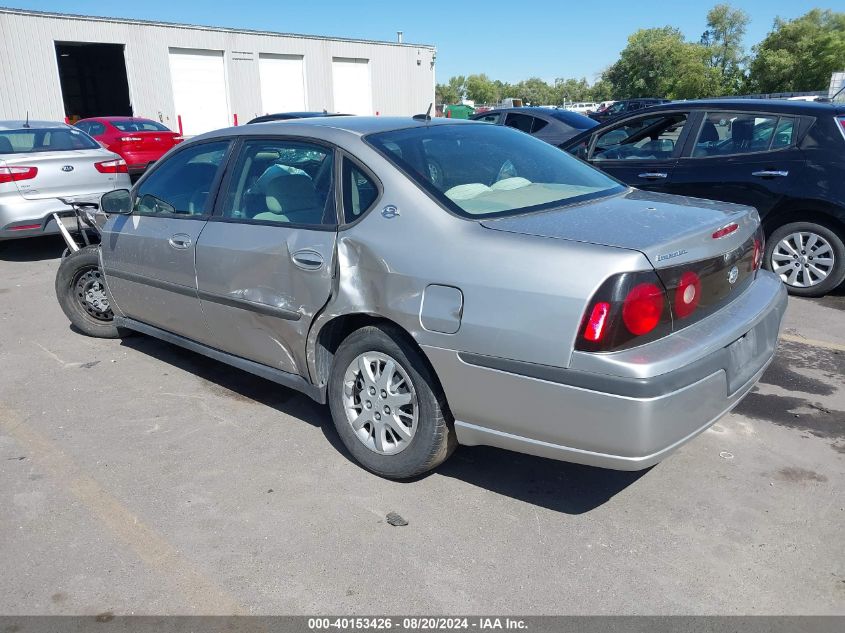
{"x":15,"y":173}
{"x":24,"y":227}
{"x":725,"y":230}
{"x":757,"y":257}
{"x":129,"y":139}
{"x":687,"y":295}
{"x":117,"y":166}
{"x":597,"y":323}
{"x":642,"y":308}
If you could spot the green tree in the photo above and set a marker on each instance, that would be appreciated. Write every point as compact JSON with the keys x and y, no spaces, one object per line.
{"x":799,"y":55}
{"x":481,"y":89}
{"x":451,"y":92}
{"x":659,"y":62}
{"x":726,"y":28}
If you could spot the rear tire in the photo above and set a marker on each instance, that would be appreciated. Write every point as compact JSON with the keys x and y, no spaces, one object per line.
{"x":808,"y":257}
{"x":80,"y":289}
{"x":387,"y":406}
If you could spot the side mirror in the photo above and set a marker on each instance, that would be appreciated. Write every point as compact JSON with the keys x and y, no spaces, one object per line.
{"x":117,"y":202}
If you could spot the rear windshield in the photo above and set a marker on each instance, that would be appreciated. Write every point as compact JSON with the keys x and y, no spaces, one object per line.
{"x":573,"y":119}
{"x":26,"y":141}
{"x":478,"y":170}
{"x":139,"y":125}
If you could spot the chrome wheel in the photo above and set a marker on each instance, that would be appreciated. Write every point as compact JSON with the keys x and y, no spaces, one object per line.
{"x":803,"y":259}
{"x":380,"y":403}
{"x":91,"y":294}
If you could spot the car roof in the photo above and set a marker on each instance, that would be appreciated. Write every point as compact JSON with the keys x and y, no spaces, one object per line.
{"x":115,"y":118}
{"x":358,"y":125}
{"x":22,"y":124}
{"x":772,"y":105}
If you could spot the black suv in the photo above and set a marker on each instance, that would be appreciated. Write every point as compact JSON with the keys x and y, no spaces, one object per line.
{"x":786,"y":158}
{"x":626,"y":106}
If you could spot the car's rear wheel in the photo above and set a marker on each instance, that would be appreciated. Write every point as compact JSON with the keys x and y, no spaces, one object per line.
{"x":808,"y":257}
{"x":386,"y":404}
{"x":81,"y":291}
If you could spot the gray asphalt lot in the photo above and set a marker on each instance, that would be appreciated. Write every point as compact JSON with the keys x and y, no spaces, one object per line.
{"x":138,"y":478}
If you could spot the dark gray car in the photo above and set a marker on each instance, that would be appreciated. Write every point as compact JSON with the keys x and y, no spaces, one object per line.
{"x":552,"y":125}
{"x":522,"y":299}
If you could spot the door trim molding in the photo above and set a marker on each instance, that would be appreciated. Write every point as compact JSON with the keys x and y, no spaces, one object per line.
{"x":278,"y":376}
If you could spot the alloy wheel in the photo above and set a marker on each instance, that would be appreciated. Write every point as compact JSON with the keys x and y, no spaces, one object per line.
{"x":803,"y":259}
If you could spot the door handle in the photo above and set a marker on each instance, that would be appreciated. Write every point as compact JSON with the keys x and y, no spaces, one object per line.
{"x":308,"y":259}
{"x":770,"y":173}
{"x":180,"y":241}
{"x":653,"y":175}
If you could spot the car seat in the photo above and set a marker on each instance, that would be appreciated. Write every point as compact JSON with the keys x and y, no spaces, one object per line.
{"x":291,"y":198}
{"x":742,"y":131}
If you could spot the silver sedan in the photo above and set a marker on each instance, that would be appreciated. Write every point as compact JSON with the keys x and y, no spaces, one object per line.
{"x":440,"y":283}
{"x":41,"y":161}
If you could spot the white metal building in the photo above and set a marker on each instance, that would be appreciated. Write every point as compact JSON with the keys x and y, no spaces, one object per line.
{"x":54,"y":66}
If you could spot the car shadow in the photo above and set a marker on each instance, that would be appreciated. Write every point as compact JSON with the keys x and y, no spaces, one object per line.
{"x":32,"y":249}
{"x":558,"y":486}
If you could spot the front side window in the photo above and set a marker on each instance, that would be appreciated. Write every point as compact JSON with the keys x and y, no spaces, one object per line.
{"x":728,"y":133}
{"x":282,"y":182}
{"x":488,"y":171}
{"x":359,"y":191}
{"x":34,"y":140}
{"x":648,"y":138}
{"x":181,"y":185}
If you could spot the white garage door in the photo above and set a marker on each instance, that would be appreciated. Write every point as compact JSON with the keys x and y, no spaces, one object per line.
{"x":282,"y":83}
{"x":199,"y":89}
{"x":353,"y":93}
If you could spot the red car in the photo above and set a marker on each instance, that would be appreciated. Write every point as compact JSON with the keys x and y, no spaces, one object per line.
{"x":139,"y":141}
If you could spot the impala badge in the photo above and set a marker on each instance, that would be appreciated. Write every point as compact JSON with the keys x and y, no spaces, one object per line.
{"x":390,"y":211}
{"x":733,"y":275}
{"x":67,"y":168}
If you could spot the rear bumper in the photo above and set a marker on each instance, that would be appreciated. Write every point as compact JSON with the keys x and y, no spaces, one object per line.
{"x":138,"y":162}
{"x":616,"y":420}
{"x":20,"y":217}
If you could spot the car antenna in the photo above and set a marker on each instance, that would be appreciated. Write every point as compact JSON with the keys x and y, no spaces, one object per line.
{"x":424,"y":117}
{"x":26,"y":124}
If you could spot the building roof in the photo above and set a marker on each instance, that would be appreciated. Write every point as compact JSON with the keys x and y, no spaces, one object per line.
{"x":93,"y":18}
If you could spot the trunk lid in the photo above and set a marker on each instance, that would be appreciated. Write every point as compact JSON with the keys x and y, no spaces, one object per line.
{"x":147,"y":141}
{"x":669,"y":230}
{"x":65,"y":173}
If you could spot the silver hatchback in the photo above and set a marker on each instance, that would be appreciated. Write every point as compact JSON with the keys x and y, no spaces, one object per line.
{"x":440,"y":283}
{"x":41,"y":161}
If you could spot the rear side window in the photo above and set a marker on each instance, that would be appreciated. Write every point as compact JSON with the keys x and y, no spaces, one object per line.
{"x":282,"y":182}
{"x":181,"y":185}
{"x":730,"y":133}
{"x":488,"y":118}
{"x":538,"y":125}
{"x":29,"y":141}
{"x":359,"y":191}
{"x":521,"y":122}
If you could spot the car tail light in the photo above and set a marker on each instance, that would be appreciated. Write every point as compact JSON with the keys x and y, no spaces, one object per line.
{"x":129,"y":139}
{"x":117,"y":166}
{"x":841,"y":120}
{"x":24,"y":227}
{"x":628,"y":309}
{"x":725,"y":230}
{"x":15,"y":173}
{"x":757,"y":256}
{"x":687,"y":295}
{"x":642,"y":308}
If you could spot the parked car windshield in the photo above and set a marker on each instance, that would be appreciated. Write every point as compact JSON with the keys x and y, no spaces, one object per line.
{"x":46,"y":139}
{"x":139,"y":125}
{"x":573,"y":119}
{"x":478,"y":170}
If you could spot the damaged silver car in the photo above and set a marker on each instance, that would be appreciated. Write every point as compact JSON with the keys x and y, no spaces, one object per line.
{"x":440,"y":283}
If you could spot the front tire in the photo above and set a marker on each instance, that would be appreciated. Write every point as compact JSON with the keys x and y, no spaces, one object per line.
{"x":808,"y":257}
{"x":81,"y":292}
{"x":387,"y":407}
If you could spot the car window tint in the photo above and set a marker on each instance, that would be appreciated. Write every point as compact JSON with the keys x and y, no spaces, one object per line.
{"x":45,"y":140}
{"x":538,"y":125}
{"x":84,"y":126}
{"x":181,"y":184}
{"x":646,"y":138}
{"x":96,"y":129}
{"x":359,"y":191}
{"x":282,"y":182}
{"x":519,"y":121}
{"x":489,"y":118}
{"x":139,"y":125}
{"x":728,"y":133}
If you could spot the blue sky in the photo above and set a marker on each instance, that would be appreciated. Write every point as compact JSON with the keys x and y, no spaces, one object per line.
{"x":508,"y":40}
